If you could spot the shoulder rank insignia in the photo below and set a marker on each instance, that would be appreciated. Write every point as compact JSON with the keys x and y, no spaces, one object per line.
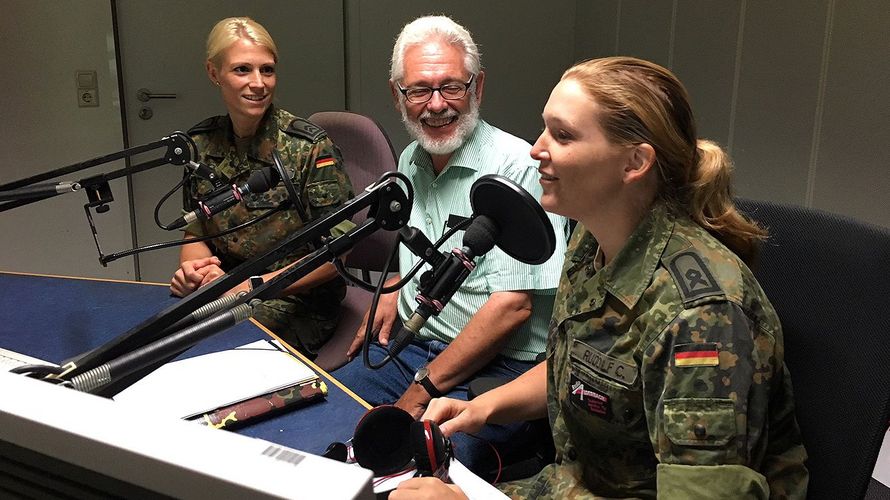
{"x":688,"y":355}
{"x":692,"y":276}
{"x":324,"y":161}
{"x":207,"y":125}
{"x":302,"y":127}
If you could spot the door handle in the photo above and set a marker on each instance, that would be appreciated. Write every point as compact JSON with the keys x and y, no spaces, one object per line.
{"x":145,"y":95}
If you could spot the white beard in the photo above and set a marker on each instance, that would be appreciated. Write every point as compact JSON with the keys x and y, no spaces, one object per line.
{"x":465,"y":125}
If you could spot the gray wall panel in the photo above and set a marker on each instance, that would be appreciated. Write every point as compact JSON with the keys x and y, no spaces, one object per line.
{"x":704,"y":58}
{"x":645,"y":30}
{"x":596,"y":28}
{"x":777,"y":98}
{"x":852,"y":174}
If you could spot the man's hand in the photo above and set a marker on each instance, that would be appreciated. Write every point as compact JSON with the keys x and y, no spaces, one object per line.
{"x":414,"y":401}
{"x":384,"y":318}
{"x":426,"y":488}
{"x":193,"y":274}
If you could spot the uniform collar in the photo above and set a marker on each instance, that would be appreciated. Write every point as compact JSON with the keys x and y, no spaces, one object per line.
{"x":629,"y":274}
{"x":224,"y":141}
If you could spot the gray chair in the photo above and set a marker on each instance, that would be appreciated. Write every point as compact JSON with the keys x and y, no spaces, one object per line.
{"x":828,"y":277}
{"x":367,"y":154}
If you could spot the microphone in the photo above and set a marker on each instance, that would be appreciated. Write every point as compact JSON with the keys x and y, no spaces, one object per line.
{"x":259,"y":181}
{"x":504,"y":215}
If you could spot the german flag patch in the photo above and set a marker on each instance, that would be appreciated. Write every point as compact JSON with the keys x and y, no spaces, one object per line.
{"x":324,"y":161}
{"x":686,"y":355}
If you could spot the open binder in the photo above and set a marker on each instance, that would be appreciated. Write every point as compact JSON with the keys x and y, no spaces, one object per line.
{"x":223,"y":389}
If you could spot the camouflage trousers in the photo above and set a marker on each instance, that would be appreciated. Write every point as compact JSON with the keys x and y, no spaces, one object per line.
{"x":555,"y":481}
{"x":304,"y":323}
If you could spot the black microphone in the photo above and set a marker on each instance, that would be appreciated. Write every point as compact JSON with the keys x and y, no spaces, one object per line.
{"x":259,"y":181}
{"x":439,"y":284}
{"x":504,"y":215}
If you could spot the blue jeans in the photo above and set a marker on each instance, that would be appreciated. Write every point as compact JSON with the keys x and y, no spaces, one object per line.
{"x":386,"y":386}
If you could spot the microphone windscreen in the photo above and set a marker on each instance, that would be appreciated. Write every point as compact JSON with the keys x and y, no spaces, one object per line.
{"x":262,"y":180}
{"x":382,"y":441}
{"x":481,"y":235}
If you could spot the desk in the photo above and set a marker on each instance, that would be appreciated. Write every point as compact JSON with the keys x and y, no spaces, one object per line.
{"x":57,"y":318}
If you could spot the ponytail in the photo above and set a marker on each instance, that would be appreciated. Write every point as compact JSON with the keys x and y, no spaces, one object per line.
{"x":709,"y":202}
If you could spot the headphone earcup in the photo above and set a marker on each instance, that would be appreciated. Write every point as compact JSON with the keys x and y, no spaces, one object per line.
{"x":431,"y":448}
{"x":382,"y":442}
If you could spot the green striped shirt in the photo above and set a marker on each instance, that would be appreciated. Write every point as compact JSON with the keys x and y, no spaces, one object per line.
{"x":487,"y":151}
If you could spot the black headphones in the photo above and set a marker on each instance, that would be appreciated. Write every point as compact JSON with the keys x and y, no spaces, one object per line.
{"x":387,"y":438}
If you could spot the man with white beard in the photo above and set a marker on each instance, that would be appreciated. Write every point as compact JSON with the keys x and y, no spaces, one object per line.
{"x":496,"y":323}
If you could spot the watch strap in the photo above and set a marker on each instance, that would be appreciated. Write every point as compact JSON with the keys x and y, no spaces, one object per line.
{"x":430,"y":387}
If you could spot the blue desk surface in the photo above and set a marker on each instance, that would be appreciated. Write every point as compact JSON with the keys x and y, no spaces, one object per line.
{"x":56,"y":318}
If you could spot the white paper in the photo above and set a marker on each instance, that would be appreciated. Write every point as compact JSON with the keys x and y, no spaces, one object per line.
{"x":11,"y":359}
{"x":473,"y":486}
{"x":192,"y":386}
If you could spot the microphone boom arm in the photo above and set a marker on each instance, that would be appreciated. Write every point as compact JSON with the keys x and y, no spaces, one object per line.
{"x":389,"y":209}
{"x":180,"y":149}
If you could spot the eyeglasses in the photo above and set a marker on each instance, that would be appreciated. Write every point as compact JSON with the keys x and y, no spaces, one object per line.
{"x":449,"y":91}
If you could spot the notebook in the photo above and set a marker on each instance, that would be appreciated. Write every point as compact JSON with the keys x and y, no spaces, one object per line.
{"x":194,"y":386}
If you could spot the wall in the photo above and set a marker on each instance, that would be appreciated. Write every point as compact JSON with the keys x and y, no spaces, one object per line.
{"x":44,"y":43}
{"x":797,"y":90}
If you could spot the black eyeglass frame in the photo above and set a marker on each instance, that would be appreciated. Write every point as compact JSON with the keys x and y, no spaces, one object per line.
{"x":438,"y":89}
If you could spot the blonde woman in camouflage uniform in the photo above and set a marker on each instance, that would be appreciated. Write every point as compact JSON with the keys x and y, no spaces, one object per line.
{"x":241,"y":60}
{"x":664,"y":374}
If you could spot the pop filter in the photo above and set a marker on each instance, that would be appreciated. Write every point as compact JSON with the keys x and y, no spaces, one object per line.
{"x":525,"y":232}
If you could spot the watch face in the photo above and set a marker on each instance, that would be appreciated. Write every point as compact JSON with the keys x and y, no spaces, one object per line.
{"x":421,"y":374}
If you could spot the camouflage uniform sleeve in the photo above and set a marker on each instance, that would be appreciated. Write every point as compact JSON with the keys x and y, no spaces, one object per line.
{"x":710,"y":379}
{"x":327,"y":185}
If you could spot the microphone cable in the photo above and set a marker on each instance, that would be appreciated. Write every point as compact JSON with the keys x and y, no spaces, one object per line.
{"x":155,"y":246}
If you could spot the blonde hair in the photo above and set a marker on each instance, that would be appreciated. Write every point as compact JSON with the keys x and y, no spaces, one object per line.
{"x":232,"y":29}
{"x":645,"y":103}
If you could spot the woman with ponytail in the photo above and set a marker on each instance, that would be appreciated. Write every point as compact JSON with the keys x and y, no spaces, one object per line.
{"x":665,"y":372}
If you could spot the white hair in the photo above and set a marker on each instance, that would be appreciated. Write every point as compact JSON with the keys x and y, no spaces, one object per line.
{"x":429,"y":28}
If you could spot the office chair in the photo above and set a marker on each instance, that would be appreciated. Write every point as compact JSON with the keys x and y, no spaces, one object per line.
{"x":367,"y":153}
{"x":828,"y":277}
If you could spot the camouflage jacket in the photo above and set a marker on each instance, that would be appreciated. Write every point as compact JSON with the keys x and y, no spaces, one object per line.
{"x":666,"y":375}
{"x":318,"y":176}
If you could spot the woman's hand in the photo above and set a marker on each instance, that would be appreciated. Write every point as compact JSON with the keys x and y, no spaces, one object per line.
{"x":194,"y":273}
{"x":453,"y":415}
{"x":426,"y":488}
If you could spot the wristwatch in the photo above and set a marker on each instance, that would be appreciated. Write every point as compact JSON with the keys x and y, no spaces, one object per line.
{"x":422,"y":377}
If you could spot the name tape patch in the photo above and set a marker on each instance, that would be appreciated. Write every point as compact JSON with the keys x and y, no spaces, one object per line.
{"x":607,"y":366}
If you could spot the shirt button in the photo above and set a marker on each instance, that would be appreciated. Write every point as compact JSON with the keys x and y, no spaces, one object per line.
{"x":435,"y":184}
{"x":572,"y":454}
{"x":429,"y":220}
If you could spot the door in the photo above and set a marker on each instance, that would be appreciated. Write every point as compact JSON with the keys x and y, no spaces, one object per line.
{"x":162,"y":46}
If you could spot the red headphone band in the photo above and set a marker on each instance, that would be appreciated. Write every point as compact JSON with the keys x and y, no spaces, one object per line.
{"x":430,"y":445}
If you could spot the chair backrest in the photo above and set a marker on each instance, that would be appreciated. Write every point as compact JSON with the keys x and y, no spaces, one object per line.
{"x":367,"y":154}
{"x":828,"y":277}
